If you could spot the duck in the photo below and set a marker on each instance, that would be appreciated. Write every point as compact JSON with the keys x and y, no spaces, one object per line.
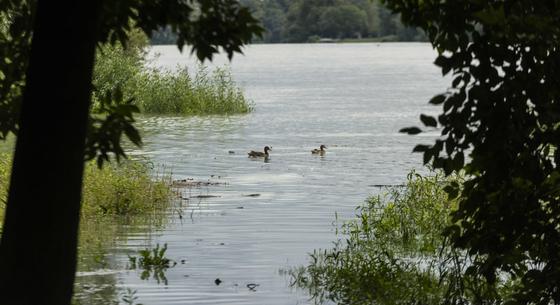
{"x":258,"y":154}
{"x":321,"y":150}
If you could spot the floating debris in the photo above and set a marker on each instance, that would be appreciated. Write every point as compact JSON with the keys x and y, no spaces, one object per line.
{"x":252,"y":286}
{"x":194,"y":183}
{"x":231,"y":152}
{"x":205,"y":196}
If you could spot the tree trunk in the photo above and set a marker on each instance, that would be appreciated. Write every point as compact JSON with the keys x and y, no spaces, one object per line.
{"x":39,"y":239}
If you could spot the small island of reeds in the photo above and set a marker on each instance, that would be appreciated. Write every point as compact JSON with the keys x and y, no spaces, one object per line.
{"x":159,"y":91}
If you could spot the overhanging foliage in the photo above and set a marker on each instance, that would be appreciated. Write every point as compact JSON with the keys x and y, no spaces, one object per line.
{"x":503,"y":111}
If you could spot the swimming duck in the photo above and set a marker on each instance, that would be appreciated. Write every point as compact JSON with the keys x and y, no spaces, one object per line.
{"x":321,"y":150}
{"x":258,"y":154}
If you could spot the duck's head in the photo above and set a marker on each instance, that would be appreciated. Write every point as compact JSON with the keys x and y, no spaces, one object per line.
{"x":266,"y":149}
{"x":323,"y":147}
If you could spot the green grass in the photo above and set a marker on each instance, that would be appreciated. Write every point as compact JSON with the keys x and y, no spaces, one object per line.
{"x":158,"y":91}
{"x":129,"y":188}
{"x":394,"y":252}
{"x":204,"y":93}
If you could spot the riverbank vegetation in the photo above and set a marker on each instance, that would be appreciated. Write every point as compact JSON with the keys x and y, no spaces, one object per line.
{"x":509,"y":207}
{"x":394,"y":252}
{"x":127,"y":196}
{"x":310,"y":21}
{"x":125,"y":189}
{"x":158,"y":91}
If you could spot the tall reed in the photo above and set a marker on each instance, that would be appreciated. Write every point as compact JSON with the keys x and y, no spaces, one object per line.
{"x":158,"y":91}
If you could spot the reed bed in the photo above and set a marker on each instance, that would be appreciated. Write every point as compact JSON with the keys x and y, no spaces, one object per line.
{"x":177,"y":92}
{"x":158,"y":91}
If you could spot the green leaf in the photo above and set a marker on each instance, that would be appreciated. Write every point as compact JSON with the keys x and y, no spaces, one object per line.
{"x":427,"y":157}
{"x":492,"y":16}
{"x":457,"y":81}
{"x":452,"y":191}
{"x":429,"y":121}
{"x":438,"y":99}
{"x":445,"y":63}
{"x":411,"y":130}
{"x":421,"y":148}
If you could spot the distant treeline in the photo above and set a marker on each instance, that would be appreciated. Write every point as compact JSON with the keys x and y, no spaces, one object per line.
{"x":313,"y":20}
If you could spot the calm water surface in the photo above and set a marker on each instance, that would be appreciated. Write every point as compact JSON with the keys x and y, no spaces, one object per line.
{"x":351,"y":97}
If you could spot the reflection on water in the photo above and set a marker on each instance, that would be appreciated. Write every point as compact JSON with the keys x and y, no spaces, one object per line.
{"x":102,"y":259}
{"x":266,"y":216}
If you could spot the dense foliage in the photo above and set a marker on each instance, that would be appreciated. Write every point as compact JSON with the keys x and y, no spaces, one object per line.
{"x":310,"y":20}
{"x":394,"y":252}
{"x":503,"y":111}
{"x":15,"y":41}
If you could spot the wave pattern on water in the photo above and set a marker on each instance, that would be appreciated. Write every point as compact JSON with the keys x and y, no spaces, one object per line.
{"x":351,"y":97}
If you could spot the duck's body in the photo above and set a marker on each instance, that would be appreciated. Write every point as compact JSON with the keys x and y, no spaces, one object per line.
{"x":259,"y":154}
{"x":320,"y":150}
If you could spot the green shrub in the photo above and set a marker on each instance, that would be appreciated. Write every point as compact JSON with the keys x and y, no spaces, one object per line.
{"x":128,"y":188}
{"x":393,"y":253}
{"x":124,"y":189}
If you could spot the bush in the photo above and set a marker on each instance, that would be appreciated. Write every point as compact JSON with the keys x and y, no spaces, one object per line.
{"x":393,"y":252}
{"x":125,"y":189}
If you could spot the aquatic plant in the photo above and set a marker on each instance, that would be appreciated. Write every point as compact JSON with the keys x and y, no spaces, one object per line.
{"x":153,"y":263}
{"x":129,"y":297}
{"x":154,"y":257}
{"x":157,"y":91}
{"x":99,"y":236}
{"x":394,"y":252}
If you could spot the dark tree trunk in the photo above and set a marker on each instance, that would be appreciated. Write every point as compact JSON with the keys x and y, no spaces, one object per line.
{"x":39,"y":238}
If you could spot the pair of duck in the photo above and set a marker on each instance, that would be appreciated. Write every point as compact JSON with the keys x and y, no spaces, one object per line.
{"x":259,"y":154}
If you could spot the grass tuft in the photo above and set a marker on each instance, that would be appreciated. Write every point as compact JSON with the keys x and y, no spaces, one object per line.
{"x":124,"y":189}
{"x":165,"y":92}
{"x":128,"y":188}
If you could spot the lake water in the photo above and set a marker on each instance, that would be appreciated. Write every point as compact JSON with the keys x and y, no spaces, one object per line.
{"x":353,"y":98}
